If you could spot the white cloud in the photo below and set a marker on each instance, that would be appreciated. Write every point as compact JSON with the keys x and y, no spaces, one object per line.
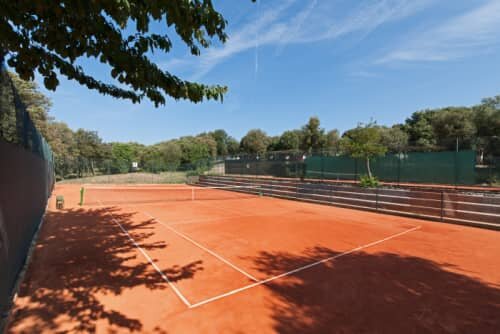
{"x":316,"y":21}
{"x":330,"y":22}
{"x":296,"y":25}
{"x":473,"y":32}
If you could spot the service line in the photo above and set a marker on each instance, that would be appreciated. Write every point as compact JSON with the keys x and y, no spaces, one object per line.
{"x":294,"y":271}
{"x":185,"y":237}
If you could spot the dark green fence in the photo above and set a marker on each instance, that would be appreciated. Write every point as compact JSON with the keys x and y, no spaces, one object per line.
{"x":277,"y":164}
{"x":26,"y":181}
{"x":448,"y":167}
{"x":415,"y":167}
{"x":489,"y":171}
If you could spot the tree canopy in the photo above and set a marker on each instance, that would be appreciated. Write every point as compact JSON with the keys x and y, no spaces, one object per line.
{"x":364,"y":142}
{"x":332,"y":140}
{"x":420,"y":130}
{"x":53,"y":37}
{"x":37,"y":104}
{"x":452,"y":124}
{"x":476,"y":127}
{"x":255,"y":141}
{"x":313,"y":136}
{"x":394,"y":139}
{"x":290,"y":140}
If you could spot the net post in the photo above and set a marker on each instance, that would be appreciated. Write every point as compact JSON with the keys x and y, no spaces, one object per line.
{"x":82,"y":194}
{"x":192,"y":193}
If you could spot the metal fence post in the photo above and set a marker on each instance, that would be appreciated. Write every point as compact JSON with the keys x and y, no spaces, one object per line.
{"x":257,"y":162}
{"x":376,"y":199}
{"x":322,"y":166}
{"x":355,"y":169}
{"x":331,"y":193}
{"x":109,"y":171}
{"x":297,"y":190}
{"x":442,"y":205}
{"x":399,"y":168}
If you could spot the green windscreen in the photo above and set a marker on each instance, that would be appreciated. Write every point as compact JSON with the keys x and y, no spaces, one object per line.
{"x":418,"y":167}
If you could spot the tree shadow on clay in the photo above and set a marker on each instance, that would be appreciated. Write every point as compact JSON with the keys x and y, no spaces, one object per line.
{"x":81,"y":253}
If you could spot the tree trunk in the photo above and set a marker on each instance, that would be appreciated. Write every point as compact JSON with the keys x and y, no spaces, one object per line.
{"x":368,"y":168}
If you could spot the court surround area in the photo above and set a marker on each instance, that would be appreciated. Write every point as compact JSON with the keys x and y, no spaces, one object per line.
{"x":178,"y":259}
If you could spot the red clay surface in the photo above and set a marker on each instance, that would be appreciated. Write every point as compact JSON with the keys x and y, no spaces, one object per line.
{"x":252,"y":266}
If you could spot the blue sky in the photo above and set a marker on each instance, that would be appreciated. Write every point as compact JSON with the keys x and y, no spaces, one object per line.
{"x":341,"y":60}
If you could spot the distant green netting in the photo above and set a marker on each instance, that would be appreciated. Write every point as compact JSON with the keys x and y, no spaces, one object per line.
{"x":278,"y":164}
{"x":265,"y":167}
{"x":339,"y":168}
{"x":490,"y":171}
{"x":419,"y":167}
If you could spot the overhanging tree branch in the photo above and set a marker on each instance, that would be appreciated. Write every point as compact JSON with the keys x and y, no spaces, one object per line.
{"x":44,"y":36}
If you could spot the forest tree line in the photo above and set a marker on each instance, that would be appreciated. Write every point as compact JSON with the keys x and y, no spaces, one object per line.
{"x":83,"y":151}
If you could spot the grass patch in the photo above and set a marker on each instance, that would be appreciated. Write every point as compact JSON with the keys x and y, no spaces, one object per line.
{"x":141,"y":177}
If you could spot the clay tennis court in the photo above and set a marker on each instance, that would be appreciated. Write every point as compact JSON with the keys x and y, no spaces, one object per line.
{"x":183,"y":259}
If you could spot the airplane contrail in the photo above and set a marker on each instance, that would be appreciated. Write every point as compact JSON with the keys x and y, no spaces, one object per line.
{"x":257,"y":43}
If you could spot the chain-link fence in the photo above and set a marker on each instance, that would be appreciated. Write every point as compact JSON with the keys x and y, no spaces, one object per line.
{"x":278,"y":164}
{"x":111,"y":171}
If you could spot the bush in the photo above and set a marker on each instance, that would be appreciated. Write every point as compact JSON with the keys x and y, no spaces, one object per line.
{"x":493,"y":180}
{"x":190,"y":173}
{"x":368,"y":182}
{"x":197,"y":172}
{"x":120,"y":166}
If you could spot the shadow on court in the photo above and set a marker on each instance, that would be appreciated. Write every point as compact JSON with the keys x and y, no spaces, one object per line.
{"x":81,"y":255}
{"x":376,"y":293}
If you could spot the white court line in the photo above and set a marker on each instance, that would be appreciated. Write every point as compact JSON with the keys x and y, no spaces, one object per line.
{"x":162,"y":274}
{"x":227,"y":294}
{"x":201,"y":246}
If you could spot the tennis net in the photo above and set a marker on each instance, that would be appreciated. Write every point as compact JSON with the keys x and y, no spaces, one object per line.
{"x":95,"y":195}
